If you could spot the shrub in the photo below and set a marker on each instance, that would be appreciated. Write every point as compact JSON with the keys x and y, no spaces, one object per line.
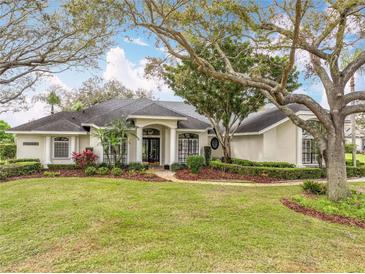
{"x":262,"y":164}
{"x":195,"y":163}
{"x":20,"y":168}
{"x":7,"y":150}
{"x":243,"y":162}
{"x":90,"y":171}
{"x":314,"y":187}
{"x":51,"y":174}
{"x":61,"y":166}
{"x":116,"y":171}
{"x":102,"y":171}
{"x":137,"y":166}
{"x":358,"y":163}
{"x":355,"y":171}
{"x":12,"y":161}
{"x":3,"y":175}
{"x":207,"y":154}
{"x":177,"y":166}
{"x":349,"y":148}
{"x":84,"y":159}
{"x":272,"y":172}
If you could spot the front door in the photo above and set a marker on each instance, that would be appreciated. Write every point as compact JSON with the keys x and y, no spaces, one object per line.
{"x":151,"y":150}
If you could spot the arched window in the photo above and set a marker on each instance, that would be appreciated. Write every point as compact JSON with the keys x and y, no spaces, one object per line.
{"x":61,"y":147}
{"x":151,"y":132}
{"x":188,"y":145}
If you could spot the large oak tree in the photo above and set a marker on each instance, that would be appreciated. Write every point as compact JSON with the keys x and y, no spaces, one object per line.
{"x":321,"y":29}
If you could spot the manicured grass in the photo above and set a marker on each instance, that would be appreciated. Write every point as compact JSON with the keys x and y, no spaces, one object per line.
{"x":360,"y":157}
{"x":107,"y":225}
{"x":353,"y":206}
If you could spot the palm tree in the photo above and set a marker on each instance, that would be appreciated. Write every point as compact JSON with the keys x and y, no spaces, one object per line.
{"x":51,"y":98}
{"x":346,"y":59}
{"x":113,"y":136}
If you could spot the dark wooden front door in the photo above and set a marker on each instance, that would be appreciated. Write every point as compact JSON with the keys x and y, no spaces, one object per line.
{"x":151,"y":150}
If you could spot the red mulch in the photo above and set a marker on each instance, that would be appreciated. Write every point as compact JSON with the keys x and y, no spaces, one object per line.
{"x":148,"y":177}
{"x":213,"y":174}
{"x":322,"y":216}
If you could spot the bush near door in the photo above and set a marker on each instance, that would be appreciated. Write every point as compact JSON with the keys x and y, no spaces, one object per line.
{"x":195,"y":163}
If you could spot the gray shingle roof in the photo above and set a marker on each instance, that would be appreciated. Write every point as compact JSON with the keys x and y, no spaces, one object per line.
{"x":104,"y":113}
{"x":263,"y":119}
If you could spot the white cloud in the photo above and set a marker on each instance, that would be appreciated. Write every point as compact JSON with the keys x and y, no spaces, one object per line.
{"x":136,"y":41}
{"x":131,"y":75}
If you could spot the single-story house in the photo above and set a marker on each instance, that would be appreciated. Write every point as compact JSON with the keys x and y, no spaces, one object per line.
{"x":167,"y":132}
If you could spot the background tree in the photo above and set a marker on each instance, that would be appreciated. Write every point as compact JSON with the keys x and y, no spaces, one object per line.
{"x":95,"y":90}
{"x":51,"y":98}
{"x":319,"y":29}
{"x":41,"y":37}
{"x":5,"y":137}
{"x":7,"y":144}
{"x":225,"y":103}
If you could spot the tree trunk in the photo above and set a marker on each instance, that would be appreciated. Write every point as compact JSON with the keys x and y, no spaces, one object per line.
{"x":226,"y":146}
{"x":336,"y":167}
{"x":52,"y":109}
{"x":353,"y":125}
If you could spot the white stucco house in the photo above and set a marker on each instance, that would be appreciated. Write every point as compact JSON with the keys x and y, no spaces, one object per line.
{"x":167,"y":133}
{"x":359,"y":133}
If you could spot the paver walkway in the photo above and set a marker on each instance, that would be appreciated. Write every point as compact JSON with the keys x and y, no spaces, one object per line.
{"x":169,"y":175}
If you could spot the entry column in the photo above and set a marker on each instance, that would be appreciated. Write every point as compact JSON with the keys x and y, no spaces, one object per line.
{"x":172,"y":145}
{"x":139,"y":145}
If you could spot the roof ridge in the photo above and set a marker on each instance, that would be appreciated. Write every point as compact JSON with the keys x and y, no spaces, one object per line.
{"x":176,"y":111}
{"x":114,"y":109}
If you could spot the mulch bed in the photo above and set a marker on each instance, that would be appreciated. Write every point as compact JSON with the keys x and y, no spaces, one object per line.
{"x":147,"y":177}
{"x":322,"y":216}
{"x":213,"y":174}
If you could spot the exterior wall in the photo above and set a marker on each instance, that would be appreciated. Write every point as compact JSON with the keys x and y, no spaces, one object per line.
{"x":280,"y":143}
{"x":77,"y":143}
{"x":248,"y":147}
{"x":95,"y":144}
{"x":277,"y":144}
{"x":30,"y":151}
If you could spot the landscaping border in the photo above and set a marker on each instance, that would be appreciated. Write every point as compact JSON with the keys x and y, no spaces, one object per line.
{"x":322,"y":216}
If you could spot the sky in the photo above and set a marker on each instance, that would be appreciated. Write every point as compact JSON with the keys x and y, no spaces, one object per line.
{"x":125,"y":62}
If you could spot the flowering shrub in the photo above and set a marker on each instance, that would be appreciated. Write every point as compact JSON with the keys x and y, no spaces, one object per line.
{"x":84,"y":159}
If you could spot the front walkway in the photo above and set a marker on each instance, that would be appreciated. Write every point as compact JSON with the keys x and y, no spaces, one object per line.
{"x":169,"y":175}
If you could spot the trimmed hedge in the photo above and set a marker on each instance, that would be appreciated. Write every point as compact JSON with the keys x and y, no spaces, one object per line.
{"x":355,"y":171}
{"x":61,"y":166}
{"x":136,"y":166}
{"x":262,"y":164}
{"x":21,"y":160}
{"x":283,"y":173}
{"x":195,"y":163}
{"x":19,"y":169}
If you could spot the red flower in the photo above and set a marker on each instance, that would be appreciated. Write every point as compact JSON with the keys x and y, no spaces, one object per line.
{"x":84,"y":159}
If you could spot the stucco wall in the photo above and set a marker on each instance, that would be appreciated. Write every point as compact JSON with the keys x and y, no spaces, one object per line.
{"x":248,"y":147}
{"x":360,"y":143}
{"x":30,"y":151}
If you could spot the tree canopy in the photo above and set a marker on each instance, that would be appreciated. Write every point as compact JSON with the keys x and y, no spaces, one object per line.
{"x":5,"y":137}
{"x":225,"y":103}
{"x":39,"y":38}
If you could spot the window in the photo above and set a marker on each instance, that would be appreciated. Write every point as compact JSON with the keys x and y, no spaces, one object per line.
{"x":151,"y":132}
{"x":309,"y":149}
{"x":61,"y":147}
{"x":188,"y":145}
{"x":30,"y":143}
{"x":115,"y":153}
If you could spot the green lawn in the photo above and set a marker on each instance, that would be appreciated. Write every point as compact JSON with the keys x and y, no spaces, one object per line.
{"x":106,"y":225}
{"x":360,"y":157}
